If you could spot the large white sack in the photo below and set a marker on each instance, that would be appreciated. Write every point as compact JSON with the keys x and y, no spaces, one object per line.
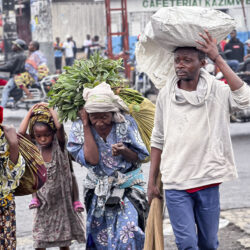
{"x":174,"y":27}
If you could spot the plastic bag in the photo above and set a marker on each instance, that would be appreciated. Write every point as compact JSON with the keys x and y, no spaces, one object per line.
{"x":174,"y":27}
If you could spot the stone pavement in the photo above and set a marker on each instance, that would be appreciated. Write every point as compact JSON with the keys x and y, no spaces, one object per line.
{"x":234,"y":232}
{"x":235,"y":216}
{"x":241,"y":219}
{"x":231,"y":220}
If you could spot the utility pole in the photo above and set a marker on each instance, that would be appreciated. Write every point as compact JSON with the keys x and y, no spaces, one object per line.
{"x":41,"y":28}
{"x":9,"y":26}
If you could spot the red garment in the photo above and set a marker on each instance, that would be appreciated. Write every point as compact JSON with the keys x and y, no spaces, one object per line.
{"x":193,"y":190}
{"x":2,"y":45}
{"x":222,"y":44}
{"x":3,"y":82}
{"x":1,"y":114}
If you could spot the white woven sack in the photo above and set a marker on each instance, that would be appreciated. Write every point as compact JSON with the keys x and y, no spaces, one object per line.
{"x":174,"y":27}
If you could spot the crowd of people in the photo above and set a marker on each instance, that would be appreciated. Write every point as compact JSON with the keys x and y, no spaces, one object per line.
{"x":68,"y":50}
{"x":234,"y":51}
{"x":233,"y":48}
{"x":27,"y":70}
{"x":105,"y":139}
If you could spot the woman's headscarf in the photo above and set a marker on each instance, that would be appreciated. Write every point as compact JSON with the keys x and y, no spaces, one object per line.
{"x":102,"y":99}
{"x":43,"y":115}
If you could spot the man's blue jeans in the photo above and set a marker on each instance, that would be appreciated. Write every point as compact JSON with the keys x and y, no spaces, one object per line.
{"x":6,"y":91}
{"x":194,"y":218}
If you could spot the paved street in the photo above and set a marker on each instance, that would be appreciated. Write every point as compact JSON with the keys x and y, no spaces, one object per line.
{"x":235,"y":196}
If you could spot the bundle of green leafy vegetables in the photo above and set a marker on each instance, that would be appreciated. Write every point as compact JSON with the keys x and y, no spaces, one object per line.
{"x":66,"y":93}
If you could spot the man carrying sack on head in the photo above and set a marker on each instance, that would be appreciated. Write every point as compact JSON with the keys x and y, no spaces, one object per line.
{"x":191,"y":144}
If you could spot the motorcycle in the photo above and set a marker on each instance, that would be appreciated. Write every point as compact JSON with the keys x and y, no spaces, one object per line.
{"x":17,"y":98}
{"x":141,"y":81}
{"x":244,"y":71}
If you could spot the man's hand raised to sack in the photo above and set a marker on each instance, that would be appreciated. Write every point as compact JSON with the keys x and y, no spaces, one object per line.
{"x":208,"y":46}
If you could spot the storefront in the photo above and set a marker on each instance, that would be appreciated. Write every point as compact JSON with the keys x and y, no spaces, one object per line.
{"x":139,"y":12}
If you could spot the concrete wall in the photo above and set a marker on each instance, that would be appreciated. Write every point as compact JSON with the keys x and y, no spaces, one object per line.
{"x":79,"y":19}
{"x":41,"y":20}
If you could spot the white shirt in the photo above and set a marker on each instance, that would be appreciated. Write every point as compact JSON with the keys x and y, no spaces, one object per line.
{"x":68,"y":49}
{"x":192,"y":130}
{"x":86,"y":45}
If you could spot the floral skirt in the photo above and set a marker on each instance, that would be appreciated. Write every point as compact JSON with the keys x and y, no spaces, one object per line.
{"x":116,"y":228}
{"x":8,"y":227}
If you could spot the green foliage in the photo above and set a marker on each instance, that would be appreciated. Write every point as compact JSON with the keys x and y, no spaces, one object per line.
{"x":66,"y":93}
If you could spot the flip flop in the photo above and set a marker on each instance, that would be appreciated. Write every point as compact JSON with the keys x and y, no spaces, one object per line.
{"x":78,"y":207}
{"x":35,"y":203}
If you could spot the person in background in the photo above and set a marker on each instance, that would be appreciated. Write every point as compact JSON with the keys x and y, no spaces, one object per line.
{"x":95,"y":47}
{"x":247,"y":42}
{"x":236,"y":46}
{"x":237,"y":51}
{"x":58,"y":54}
{"x":15,"y":66}
{"x":12,"y":167}
{"x":74,"y":48}
{"x":35,"y":69}
{"x":68,"y":47}
{"x":246,"y":66}
{"x":86,"y":46}
{"x":57,"y":220}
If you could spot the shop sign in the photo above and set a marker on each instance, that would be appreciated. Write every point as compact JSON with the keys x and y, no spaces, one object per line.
{"x":149,"y":4}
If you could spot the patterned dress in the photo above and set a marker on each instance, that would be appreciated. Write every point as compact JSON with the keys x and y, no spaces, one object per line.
{"x":111,"y":227}
{"x":36,"y":69}
{"x":56,"y":223}
{"x":10,"y":176}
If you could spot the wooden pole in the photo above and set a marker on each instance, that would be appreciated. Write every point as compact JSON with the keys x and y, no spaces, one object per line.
{"x":9,"y":26}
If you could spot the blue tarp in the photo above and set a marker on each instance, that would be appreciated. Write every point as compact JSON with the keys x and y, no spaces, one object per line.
{"x":117,"y":42}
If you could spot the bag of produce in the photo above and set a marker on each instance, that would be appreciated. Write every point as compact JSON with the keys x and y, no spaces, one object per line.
{"x":144,"y":116}
{"x":174,"y":27}
{"x":66,"y":93}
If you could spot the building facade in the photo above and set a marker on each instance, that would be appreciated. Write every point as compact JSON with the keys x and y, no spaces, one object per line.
{"x":81,"y":17}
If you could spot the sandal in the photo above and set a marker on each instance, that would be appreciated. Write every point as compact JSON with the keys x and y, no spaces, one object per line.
{"x":35,"y":203}
{"x":78,"y":207}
